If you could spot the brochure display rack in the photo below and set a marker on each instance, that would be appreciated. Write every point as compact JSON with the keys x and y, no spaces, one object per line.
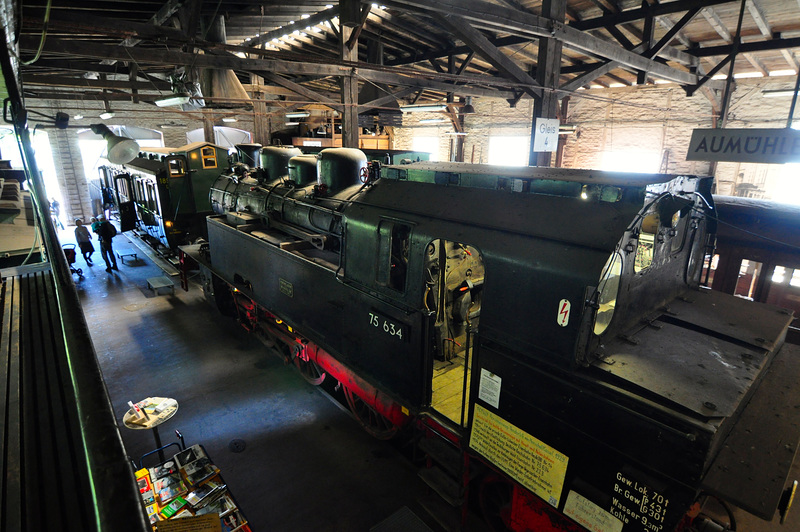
{"x":187,"y":486}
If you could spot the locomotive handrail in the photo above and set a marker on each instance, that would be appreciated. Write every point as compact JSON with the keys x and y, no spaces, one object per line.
{"x":599,"y":177}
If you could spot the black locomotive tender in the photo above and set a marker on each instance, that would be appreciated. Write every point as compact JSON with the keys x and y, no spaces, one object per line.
{"x":546,"y":325}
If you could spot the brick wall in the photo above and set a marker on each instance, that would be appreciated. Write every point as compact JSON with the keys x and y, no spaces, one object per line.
{"x":70,"y":175}
{"x":656,"y":120}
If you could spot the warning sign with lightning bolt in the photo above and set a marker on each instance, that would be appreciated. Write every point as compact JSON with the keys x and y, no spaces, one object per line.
{"x":563,"y":312}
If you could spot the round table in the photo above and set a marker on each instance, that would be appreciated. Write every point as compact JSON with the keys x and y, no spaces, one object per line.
{"x":154,"y":419}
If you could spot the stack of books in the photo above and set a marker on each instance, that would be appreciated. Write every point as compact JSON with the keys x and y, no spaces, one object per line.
{"x":188,"y":485}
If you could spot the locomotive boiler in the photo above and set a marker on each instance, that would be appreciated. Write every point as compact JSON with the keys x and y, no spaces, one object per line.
{"x":545,"y":327}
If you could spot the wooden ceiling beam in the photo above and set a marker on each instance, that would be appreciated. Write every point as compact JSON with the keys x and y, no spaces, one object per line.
{"x":385,"y":100}
{"x":668,"y":24}
{"x":632,"y":15}
{"x":757,"y":64}
{"x":713,"y":19}
{"x":429,"y":38}
{"x":110,"y":27}
{"x":748,"y":47}
{"x":301,"y":90}
{"x":667,"y":38}
{"x":455,"y":50}
{"x":595,"y":72}
{"x":62,"y":81}
{"x":482,"y":46}
{"x":514,"y":22}
{"x":465,"y":85}
{"x":757,"y":12}
{"x":301,"y":25}
{"x":161,"y":16}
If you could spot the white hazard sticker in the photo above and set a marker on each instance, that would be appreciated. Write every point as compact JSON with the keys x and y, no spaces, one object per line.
{"x":563,"y":312}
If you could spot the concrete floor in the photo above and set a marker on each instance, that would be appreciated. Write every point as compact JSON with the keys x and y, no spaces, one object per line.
{"x":307,"y":464}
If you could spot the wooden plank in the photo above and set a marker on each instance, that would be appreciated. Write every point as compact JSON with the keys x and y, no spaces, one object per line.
{"x":71,"y":484}
{"x":32,"y":406}
{"x":13,"y":468}
{"x":5,"y":379}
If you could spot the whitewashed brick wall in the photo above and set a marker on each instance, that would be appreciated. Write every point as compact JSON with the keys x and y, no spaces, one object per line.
{"x":658,"y":119}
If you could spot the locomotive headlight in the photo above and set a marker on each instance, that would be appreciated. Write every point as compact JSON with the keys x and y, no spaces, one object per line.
{"x":607,"y":289}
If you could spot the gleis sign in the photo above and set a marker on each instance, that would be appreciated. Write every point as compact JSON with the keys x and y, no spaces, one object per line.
{"x":745,"y":145}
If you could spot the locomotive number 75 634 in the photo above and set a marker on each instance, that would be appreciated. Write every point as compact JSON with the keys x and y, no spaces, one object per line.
{"x":387,"y":325}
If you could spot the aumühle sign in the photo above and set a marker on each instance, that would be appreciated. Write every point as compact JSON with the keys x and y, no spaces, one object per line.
{"x":745,"y":145}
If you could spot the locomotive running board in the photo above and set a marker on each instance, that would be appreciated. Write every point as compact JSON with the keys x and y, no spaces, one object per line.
{"x":739,"y":472}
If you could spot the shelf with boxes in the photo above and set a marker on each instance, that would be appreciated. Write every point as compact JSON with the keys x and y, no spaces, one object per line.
{"x":188,"y":486}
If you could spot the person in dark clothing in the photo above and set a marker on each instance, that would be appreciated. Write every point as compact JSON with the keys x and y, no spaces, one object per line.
{"x":106,"y":232}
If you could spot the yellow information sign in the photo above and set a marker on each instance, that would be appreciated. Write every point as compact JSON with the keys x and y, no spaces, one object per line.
{"x":531,"y":462}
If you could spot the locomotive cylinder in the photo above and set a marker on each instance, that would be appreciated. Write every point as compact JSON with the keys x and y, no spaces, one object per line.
{"x":339,"y":168}
{"x":275,"y":160}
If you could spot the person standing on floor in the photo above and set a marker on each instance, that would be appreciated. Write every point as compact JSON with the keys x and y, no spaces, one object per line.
{"x":106,"y":232}
{"x":55,"y":211}
{"x":84,"y":240}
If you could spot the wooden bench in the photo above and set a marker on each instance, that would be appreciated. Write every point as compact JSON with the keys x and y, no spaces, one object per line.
{"x":156,"y":283}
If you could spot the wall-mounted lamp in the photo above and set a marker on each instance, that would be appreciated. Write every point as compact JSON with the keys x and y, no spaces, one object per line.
{"x":173,"y":99}
{"x":299,"y":114}
{"x":468,"y":109}
{"x":423,"y":108}
{"x":229,"y":119}
{"x":107,"y":115}
{"x":172,"y":126}
{"x":433,"y":120}
{"x":121,"y":150}
{"x":456,"y":133}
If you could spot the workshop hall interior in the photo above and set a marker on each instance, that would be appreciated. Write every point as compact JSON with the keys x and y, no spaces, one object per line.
{"x":409,"y":266}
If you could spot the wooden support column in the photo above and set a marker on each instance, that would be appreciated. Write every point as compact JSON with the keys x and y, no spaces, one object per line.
{"x":208,"y":128}
{"x":562,"y":139}
{"x":261,"y":125}
{"x":349,"y":29}
{"x":548,"y":70}
{"x":349,"y":85}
